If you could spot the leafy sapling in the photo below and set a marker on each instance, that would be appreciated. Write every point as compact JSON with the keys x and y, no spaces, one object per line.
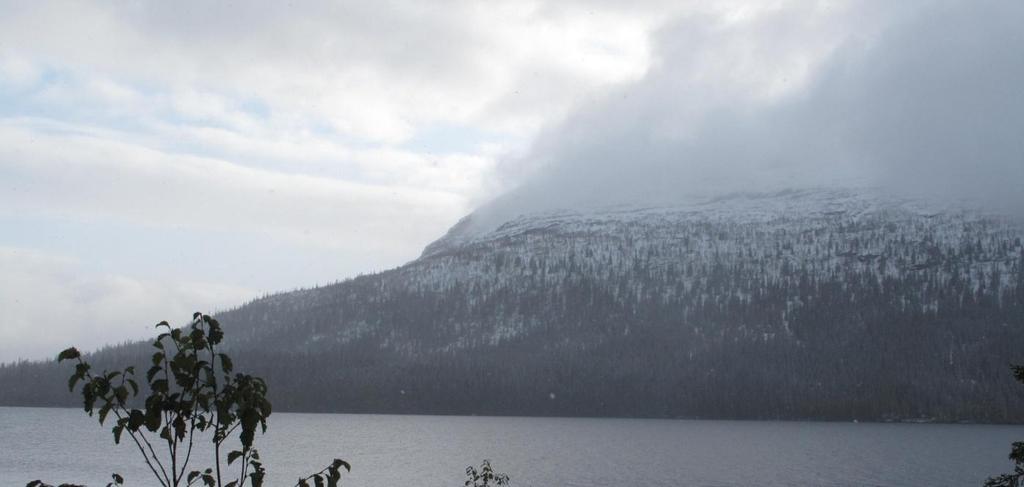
{"x":485,"y":476}
{"x":1015,"y":479}
{"x":192,"y":390}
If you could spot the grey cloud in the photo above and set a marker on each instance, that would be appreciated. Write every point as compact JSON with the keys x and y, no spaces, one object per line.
{"x":937,"y":102}
{"x":372,"y":70}
{"x":916,"y":97}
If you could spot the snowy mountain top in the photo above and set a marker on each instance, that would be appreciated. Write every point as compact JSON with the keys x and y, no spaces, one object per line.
{"x":737,"y":208}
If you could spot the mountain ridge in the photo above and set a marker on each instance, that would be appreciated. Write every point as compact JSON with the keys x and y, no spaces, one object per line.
{"x":820,"y":304}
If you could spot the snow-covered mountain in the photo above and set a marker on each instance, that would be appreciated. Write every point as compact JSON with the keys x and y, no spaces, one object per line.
{"x":806,"y":303}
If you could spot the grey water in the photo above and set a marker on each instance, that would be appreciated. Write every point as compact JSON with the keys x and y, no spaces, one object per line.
{"x":64,"y":445}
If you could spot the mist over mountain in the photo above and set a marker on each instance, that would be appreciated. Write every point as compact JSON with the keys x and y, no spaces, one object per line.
{"x":918,"y":99}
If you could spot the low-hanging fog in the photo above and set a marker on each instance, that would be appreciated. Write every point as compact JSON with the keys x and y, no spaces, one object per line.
{"x":920,"y":98}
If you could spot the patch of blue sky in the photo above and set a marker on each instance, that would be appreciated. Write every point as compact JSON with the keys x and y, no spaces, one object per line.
{"x":325,"y":130}
{"x":29,"y":103}
{"x":445,"y":138}
{"x":31,"y":100}
{"x":73,"y":106}
{"x":18,"y":99}
{"x":254,"y":107}
{"x":170,"y":253}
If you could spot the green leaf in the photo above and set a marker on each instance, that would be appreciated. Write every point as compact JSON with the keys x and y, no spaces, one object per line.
{"x":135,"y":420}
{"x":89,"y":397}
{"x":121,"y":393}
{"x":341,"y":463}
{"x":196,"y":335}
{"x":192,"y":476}
{"x":216,"y":334}
{"x":72,"y":381}
{"x":117,"y":433}
{"x":104,"y":411}
{"x":159,"y":385}
{"x":233,"y":455}
{"x":318,"y":481}
{"x":68,"y":354}
{"x":225,"y":363}
{"x":152,"y":372}
{"x":153,"y":419}
{"x":119,"y":480}
{"x":179,"y":427}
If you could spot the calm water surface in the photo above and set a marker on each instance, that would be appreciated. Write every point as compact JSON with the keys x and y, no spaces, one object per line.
{"x":61,"y":445}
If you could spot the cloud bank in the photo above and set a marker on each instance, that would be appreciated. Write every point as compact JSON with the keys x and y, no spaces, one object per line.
{"x":913,"y":97}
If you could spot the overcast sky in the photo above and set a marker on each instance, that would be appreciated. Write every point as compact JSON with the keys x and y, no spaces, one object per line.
{"x":158,"y":158}
{"x":920,"y":98}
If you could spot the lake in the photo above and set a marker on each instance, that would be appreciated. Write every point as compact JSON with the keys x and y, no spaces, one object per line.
{"x":63,"y":445}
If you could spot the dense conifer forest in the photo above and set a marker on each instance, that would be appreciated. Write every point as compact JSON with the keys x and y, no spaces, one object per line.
{"x":797,"y":305}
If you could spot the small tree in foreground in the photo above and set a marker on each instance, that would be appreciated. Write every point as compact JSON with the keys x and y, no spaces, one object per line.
{"x":1016,"y":453}
{"x":192,"y":390}
{"x":485,"y":477}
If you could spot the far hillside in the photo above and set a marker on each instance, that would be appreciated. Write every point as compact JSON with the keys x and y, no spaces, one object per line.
{"x":811,"y":304}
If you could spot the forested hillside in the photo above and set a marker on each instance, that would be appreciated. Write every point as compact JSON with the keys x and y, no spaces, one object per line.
{"x":800,"y":304}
